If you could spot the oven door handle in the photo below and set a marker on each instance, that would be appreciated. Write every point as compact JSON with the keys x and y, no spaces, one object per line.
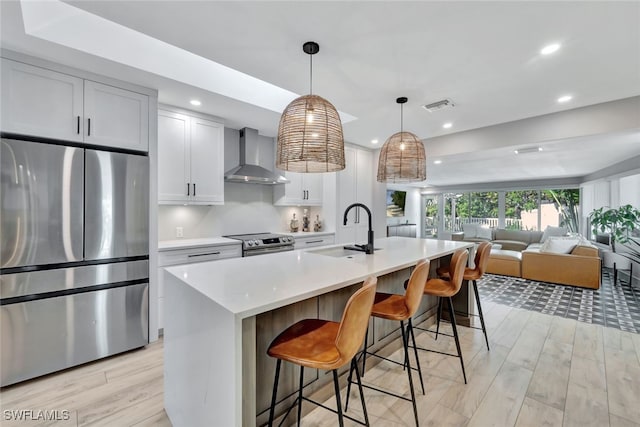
{"x":272,"y":250}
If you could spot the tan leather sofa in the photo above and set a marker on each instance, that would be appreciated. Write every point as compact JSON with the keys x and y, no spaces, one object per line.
{"x":519,"y":256}
{"x":579,"y":268}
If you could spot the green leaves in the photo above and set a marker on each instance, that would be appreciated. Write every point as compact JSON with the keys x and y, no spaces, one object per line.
{"x":618,"y":222}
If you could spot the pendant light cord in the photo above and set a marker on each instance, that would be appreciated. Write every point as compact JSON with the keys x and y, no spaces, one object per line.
{"x":310,"y":74}
{"x":401,"y":118}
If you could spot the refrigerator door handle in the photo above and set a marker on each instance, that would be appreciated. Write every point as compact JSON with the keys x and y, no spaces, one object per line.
{"x":89,"y":128}
{"x":194,"y":189}
{"x":78,"y":126}
{"x":188,"y":188}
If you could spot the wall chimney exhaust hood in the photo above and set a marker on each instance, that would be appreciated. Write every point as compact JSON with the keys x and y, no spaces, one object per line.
{"x":250,"y":171}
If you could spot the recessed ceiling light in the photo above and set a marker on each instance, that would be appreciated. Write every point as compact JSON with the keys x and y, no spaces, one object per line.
{"x":374,"y":141}
{"x":195,"y":102}
{"x":549,"y":49}
{"x":565,"y":98}
{"x":447,"y":125}
{"x":437,"y":162}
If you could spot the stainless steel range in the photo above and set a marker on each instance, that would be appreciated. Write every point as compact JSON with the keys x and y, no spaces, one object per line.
{"x":263,"y":243}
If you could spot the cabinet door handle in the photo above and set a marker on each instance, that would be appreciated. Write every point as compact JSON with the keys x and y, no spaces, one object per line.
{"x":89,"y":128}
{"x":314,"y":241}
{"x":188,"y":188}
{"x":194,"y":188}
{"x":78,"y":125}
{"x":209,"y":253}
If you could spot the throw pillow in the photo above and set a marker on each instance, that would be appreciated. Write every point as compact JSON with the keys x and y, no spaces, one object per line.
{"x":559,"y":245}
{"x":483,"y":233}
{"x":552,"y":231}
{"x":470,"y":230}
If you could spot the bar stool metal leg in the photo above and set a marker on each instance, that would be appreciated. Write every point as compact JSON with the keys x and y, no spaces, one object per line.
{"x":275,"y":391}
{"x":415,"y":351}
{"x":354,"y":365}
{"x":300,"y":394}
{"x":439,"y":316}
{"x":484,"y":330}
{"x":338,"y":405}
{"x":364,"y":353}
{"x":455,"y":335}
{"x":405,"y":343}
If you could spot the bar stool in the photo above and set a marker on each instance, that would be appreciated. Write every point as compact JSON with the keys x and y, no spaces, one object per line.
{"x":473,"y":274}
{"x":327,"y":345}
{"x":447,"y":289}
{"x":399,"y":308}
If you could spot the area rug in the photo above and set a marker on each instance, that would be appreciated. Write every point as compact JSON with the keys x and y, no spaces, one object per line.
{"x":614,"y":306}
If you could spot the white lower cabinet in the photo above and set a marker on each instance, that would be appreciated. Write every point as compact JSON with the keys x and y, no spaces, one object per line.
{"x":303,"y":242}
{"x":170,"y":257}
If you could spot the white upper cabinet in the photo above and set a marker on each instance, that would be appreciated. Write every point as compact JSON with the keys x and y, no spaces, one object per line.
{"x":207,"y":161}
{"x":40,"y":102}
{"x":44,"y":103}
{"x":190,"y":160}
{"x":305,"y":189}
{"x":115,"y":117}
{"x":354,"y":184}
{"x":173,"y":157}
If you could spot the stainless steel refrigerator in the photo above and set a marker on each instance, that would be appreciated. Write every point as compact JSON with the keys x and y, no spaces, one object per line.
{"x":74,"y":259}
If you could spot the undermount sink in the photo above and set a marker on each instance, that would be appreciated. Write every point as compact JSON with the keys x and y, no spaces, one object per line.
{"x":338,"y":252}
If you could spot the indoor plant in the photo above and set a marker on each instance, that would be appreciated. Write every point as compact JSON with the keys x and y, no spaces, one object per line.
{"x":619,"y":223}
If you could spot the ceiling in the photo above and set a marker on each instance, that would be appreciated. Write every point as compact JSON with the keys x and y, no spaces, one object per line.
{"x":484,"y":56}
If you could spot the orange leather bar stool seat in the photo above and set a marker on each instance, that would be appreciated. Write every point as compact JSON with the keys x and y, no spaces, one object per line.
{"x":481,"y":261}
{"x":327,"y":345}
{"x":445,"y":289}
{"x":400,"y":308}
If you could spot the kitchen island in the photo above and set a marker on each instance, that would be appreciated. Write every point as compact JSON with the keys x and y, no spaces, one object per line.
{"x":223,"y":314}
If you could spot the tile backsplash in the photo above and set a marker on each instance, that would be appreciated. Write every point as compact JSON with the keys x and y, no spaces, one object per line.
{"x":247,"y":209}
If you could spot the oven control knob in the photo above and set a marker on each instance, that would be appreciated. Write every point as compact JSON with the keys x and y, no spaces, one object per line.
{"x":256,"y":242}
{"x":289,"y":239}
{"x":250,"y":242}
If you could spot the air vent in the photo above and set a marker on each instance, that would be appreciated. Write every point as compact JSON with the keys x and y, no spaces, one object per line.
{"x":439,"y":105}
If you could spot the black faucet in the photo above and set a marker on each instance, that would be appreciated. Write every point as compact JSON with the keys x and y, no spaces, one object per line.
{"x":368,"y":248}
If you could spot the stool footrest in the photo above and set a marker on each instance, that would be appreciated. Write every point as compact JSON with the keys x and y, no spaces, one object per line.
{"x":433,"y":332}
{"x":439,"y":352}
{"x":333,"y":410}
{"x":404,"y":364}
{"x":390,"y":393}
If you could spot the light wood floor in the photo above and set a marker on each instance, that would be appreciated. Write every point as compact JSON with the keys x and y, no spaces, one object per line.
{"x":541,"y":371}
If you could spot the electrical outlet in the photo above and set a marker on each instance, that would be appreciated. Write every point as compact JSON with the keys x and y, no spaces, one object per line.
{"x":179,"y":232}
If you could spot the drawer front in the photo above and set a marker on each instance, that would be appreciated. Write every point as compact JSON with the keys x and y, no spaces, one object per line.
{"x":205,"y":253}
{"x":310,"y":242}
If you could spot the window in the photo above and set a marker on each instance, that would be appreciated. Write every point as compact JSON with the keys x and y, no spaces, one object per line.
{"x":559,"y":208}
{"x":521,"y":210}
{"x":431,"y":218}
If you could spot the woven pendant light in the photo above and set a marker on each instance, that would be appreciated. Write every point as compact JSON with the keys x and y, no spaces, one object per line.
{"x":402,"y":157}
{"x":310,"y":132}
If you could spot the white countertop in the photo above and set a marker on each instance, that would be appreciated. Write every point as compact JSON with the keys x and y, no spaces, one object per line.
{"x":253,"y":285}
{"x":167,"y":245}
